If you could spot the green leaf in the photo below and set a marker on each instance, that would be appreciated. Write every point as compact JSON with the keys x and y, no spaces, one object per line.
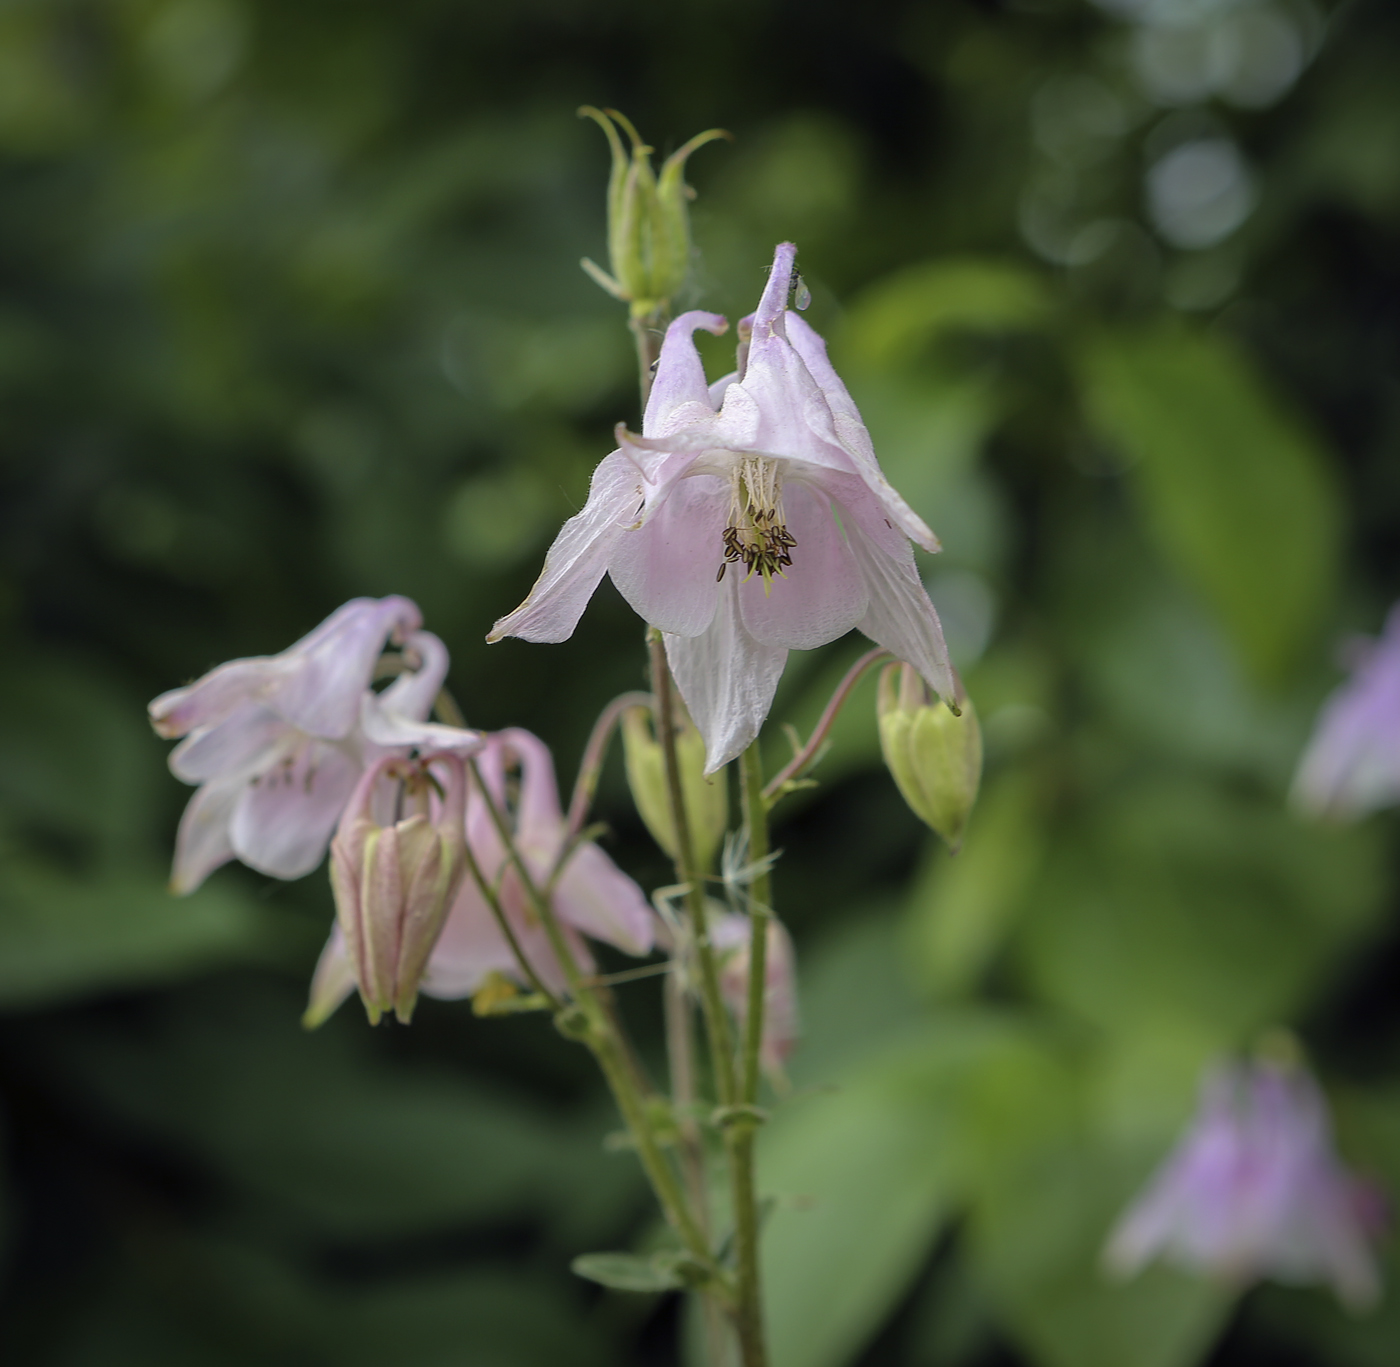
{"x":317,"y":1128}
{"x":1179,"y":903}
{"x":864,"y":1177}
{"x":898,"y":316}
{"x":63,"y":937}
{"x":628,"y":1272}
{"x":1234,"y":487}
{"x":961,"y":910}
{"x":1037,"y":1233}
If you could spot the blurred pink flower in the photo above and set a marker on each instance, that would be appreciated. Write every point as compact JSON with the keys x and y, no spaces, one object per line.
{"x":591,"y":895}
{"x":768,"y":474}
{"x":276,"y":743}
{"x":1255,"y":1190}
{"x":731,"y":935}
{"x":1352,"y":763}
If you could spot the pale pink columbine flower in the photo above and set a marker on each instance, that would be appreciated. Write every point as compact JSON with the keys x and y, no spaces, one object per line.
{"x":731,"y":934}
{"x":276,"y":743}
{"x":1254,"y":1190}
{"x":591,"y":895}
{"x":1352,"y":763}
{"x":749,"y":518}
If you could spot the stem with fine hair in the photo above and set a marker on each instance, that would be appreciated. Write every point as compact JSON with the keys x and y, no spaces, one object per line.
{"x":648,"y":331}
{"x":808,"y":753}
{"x":711,"y":1002}
{"x":591,"y":766}
{"x":742,"y":1133}
{"x":600,"y":1035}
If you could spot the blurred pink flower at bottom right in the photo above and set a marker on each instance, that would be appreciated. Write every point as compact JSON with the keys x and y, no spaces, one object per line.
{"x":1254,"y":1190}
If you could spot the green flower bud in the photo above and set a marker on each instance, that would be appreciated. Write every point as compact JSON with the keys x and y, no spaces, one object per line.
{"x":648,"y":218}
{"x":934,"y":753}
{"x":706,"y":799}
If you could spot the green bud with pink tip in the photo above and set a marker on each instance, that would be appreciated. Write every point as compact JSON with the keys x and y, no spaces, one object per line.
{"x":933,"y":752}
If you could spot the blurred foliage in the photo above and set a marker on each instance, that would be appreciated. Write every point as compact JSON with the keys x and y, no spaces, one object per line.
{"x":290,"y":311}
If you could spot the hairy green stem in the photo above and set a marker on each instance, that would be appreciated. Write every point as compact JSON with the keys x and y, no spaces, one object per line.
{"x":590,"y":768}
{"x":808,"y":753}
{"x":492,"y":900}
{"x":648,"y":331}
{"x":711,"y":1002}
{"x":599,"y":1032}
{"x":741,"y":1135}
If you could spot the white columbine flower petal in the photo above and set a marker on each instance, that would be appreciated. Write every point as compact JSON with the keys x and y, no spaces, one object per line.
{"x":747,"y":518}
{"x":278,"y":743}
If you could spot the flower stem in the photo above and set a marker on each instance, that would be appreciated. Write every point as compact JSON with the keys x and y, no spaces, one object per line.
{"x":808,"y":753}
{"x":740,"y":1135}
{"x":599,"y":1032}
{"x":648,"y":332}
{"x":711,"y":1002}
{"x":590,"y":768}
{"x":680,"y":1052}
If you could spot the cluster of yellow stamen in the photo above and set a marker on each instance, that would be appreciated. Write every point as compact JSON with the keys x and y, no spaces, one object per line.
{"x":756,"y":535}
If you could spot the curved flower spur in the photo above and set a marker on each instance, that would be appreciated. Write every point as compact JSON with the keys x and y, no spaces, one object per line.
{"x":750,"y":517}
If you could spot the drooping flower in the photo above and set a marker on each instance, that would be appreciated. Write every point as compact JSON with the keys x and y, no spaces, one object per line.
{"x":749,"y":518}
{"x":731,"y":934}
{"x":276,"y":743}
{"x":1352,"y":763}
{"x":591,"y":895}
{"x":1254,"y":1190}
{"x":395,"y":875}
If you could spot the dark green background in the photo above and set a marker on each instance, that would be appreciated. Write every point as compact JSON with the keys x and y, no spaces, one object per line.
{"x":290,"y":311}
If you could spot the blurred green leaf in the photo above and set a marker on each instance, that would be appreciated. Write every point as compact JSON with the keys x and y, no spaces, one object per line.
{"x":628,"y":1271}
{"x":1234,"y":486}
{"x":856,"y":994}
{"x":1037,"y":1234}
{"x":893,"y":321}
{"x":319,"y":1129}
{"x":962,"y":907}
{"x":864,"y":1177}
{"x":183,"y":1302}
{"x":63,"y":937}
{"x":1174,"y":901}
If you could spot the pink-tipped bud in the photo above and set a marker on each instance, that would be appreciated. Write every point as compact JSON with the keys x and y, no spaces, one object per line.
{"x":933,"y":753}
{"x":781,"y":1023}
{"x":396,"y":864}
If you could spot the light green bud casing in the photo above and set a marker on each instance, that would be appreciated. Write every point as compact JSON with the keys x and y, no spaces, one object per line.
{"x":706,"y":799}
{"x":648,"y":218}
{"x":933,"y":753}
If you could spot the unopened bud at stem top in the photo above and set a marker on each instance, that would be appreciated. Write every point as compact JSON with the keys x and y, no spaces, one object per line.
{"x":395,"y":872}
{"x":648,"y":218}
{"x":933,"y":753}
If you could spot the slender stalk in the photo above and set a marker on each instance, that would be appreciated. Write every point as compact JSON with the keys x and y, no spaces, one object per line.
{"x":808,"y":753}
{"x":590,"y":768}
{"x":740,"y":1136}
{"x":600,"y":1035}
{"x":760,"y":909}
{"x":492,"y":900}
{"x":648,"y":332}
{"x":711,"y":1002}
{"x":680,"y":1052}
